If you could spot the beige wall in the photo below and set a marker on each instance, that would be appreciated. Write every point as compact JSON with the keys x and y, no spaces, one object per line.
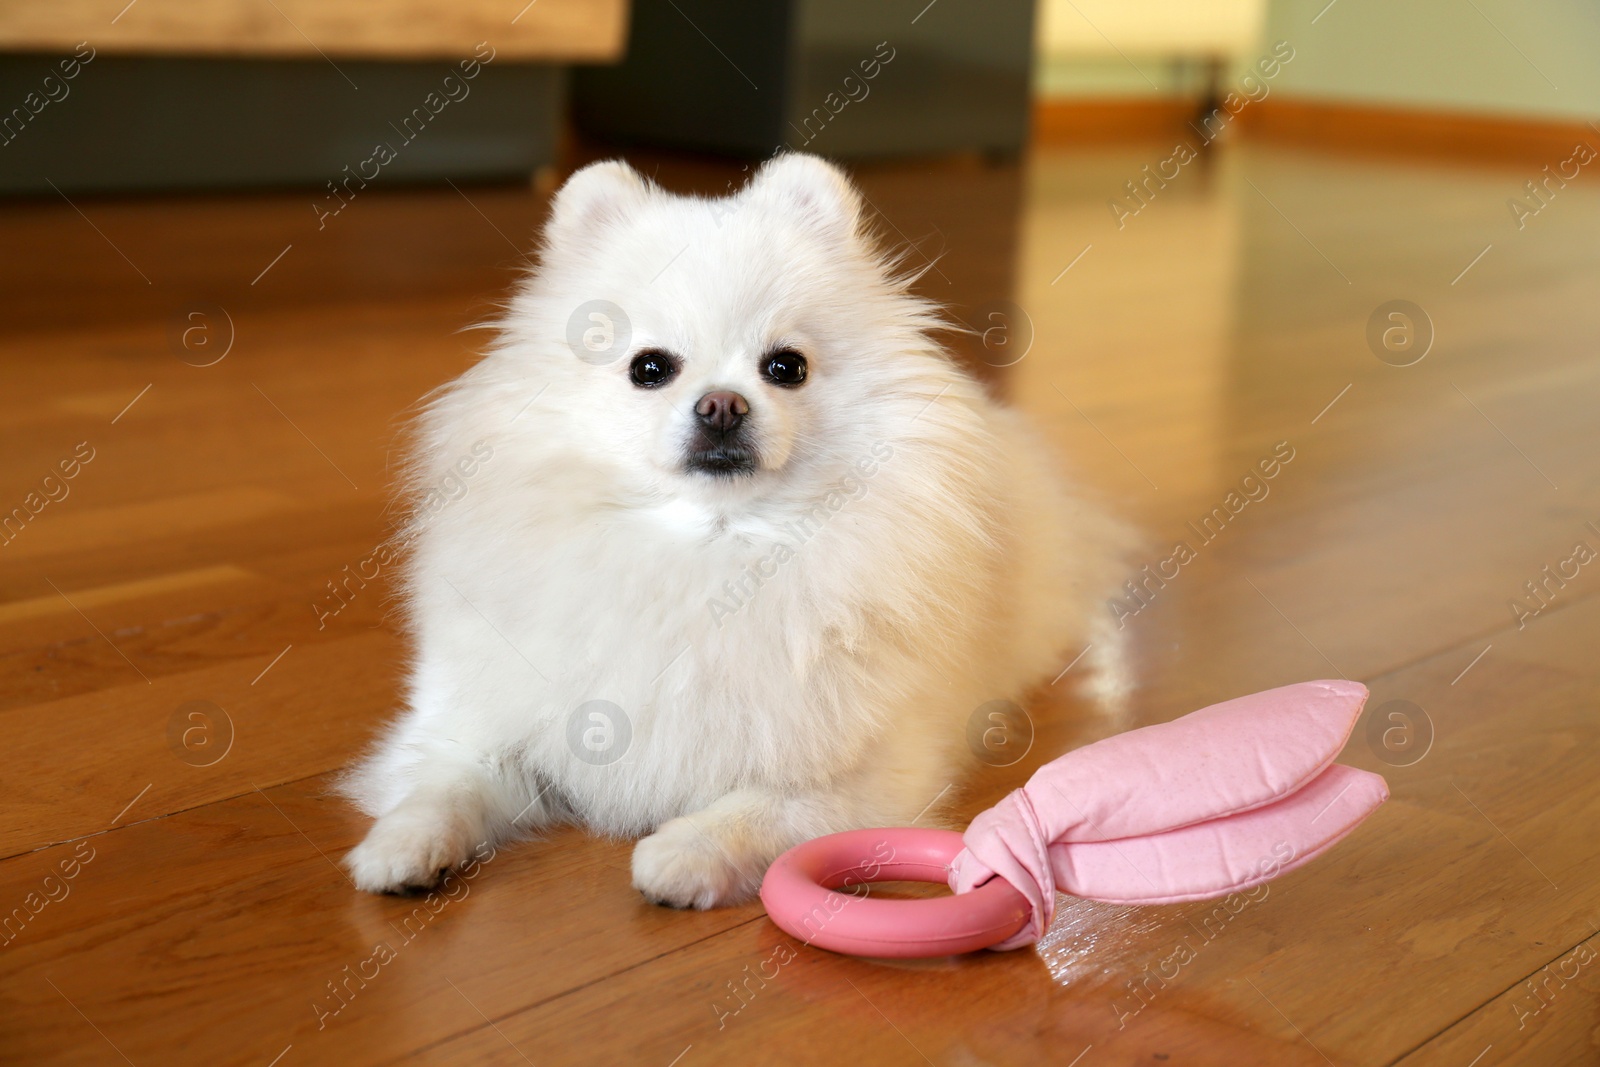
{"x":1488,"y":56}
{"x":1496,"y":56}
{"x":1139,"y":48}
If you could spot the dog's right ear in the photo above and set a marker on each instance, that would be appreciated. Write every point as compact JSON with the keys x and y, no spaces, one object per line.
{"x":590,"y":199}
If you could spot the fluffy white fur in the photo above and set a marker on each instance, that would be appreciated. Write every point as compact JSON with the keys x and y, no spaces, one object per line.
{"x":932,"y":559}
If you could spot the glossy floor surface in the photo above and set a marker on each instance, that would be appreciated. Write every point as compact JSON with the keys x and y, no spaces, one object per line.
{"x":179,"y":687}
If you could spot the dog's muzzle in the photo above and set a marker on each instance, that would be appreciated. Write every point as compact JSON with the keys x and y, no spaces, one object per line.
{"x":719,"y":444}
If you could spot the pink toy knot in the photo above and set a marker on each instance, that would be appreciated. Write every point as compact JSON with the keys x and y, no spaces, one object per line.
{"x":1008,"y":840}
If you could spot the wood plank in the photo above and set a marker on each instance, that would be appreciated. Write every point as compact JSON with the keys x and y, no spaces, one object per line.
{"x":551,"y":30}
{"x":1551,"y":1016}
{"x":248,"y":620}
{"x":55,"y":605}
{"x":131,"y":745}
{"x":171,"y":892}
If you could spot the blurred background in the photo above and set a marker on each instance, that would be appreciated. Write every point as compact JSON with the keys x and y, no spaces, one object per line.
{"x":263,"y":93}
{"x":256,"y":94}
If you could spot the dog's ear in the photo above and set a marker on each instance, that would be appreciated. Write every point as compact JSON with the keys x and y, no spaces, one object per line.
{"x":593,"y":197}
{"x":812,"y":190}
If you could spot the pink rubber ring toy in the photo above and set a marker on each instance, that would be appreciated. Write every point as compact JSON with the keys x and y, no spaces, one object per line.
{"x":798,"y":892}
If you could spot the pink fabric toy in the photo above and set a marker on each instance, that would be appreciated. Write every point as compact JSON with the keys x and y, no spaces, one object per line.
{"x":1215,"y":802}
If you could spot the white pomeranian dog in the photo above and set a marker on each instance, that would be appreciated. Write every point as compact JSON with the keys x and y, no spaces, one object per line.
{"x":732,"y":552}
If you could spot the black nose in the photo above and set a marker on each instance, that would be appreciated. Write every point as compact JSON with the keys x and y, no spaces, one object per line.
{"x":722,"y":411}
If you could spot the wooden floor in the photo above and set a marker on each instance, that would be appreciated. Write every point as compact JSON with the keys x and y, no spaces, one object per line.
{"x":171,"y":881}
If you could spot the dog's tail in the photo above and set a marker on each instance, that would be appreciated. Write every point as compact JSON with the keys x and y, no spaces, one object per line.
{"x":1109,"y":679}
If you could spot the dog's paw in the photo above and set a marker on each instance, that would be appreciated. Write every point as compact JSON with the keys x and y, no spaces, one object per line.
{"x":406,"y":851}
{"x":682,"y":866}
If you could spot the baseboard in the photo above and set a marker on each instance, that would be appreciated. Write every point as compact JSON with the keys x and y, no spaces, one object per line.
{"x":1068,"y":122}
{"x":1395,"y":131}
{"x":1341,"y":127}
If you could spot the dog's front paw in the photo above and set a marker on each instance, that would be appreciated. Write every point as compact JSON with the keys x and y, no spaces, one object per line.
{"x":405,"y":851}
{"x":682,"y":866}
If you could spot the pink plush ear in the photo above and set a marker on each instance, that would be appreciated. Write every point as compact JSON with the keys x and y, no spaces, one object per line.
{"x":1214,"y":802}
{"x":1222,"y":855}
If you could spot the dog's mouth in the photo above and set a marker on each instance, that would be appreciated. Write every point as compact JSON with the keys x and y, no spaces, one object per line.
{"x":722,"y":461}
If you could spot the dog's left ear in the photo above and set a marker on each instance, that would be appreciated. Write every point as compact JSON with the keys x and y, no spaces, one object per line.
{"x":813,"y":190}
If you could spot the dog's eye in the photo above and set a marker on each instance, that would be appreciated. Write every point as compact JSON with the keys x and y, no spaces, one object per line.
{"x":650,"y":369}
{"x":785,"y":368}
